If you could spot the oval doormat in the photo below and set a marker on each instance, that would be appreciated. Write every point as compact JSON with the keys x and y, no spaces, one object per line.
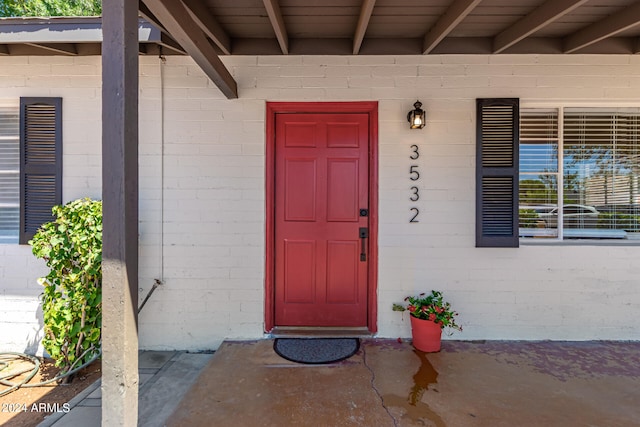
{"x":316,"y":350}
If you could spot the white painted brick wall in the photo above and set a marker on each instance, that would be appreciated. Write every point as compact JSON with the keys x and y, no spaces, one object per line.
{"x":77,"y":81}
{"x":21,"y":318}
{"x":212,"y":206}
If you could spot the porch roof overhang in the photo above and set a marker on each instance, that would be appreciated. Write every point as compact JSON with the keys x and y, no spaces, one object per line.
{"x":75,"y":36}
{"x":206,"y":29}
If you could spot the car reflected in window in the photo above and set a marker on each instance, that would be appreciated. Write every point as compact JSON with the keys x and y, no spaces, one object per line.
{"x":574,"y":216}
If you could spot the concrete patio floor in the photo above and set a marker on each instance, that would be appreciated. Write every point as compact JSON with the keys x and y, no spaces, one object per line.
{"x":387,"y":383}
{"x":164,"y":377}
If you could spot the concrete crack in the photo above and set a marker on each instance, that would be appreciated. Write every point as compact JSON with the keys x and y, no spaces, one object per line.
{"x":375,"y":389}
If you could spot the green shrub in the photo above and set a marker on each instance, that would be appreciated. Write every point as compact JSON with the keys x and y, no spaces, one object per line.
{"x":72,"y":298}
{"x":619,"y":221}
{"x":50,"y":8}
{"x":528,"y":218}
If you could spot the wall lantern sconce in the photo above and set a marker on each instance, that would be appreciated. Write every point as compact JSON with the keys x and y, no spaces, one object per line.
{"x":417,"y":117}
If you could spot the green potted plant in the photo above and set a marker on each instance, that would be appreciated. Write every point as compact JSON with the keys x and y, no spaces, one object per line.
{"x":429,"y":314}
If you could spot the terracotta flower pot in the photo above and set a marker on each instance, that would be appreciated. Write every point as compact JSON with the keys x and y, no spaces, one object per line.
{"x":427,"y":335}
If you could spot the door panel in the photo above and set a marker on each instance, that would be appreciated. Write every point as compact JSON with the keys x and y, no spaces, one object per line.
{"x":300,"y":189}
{"x":321,"y":183}
{"x":300,"y":258}
{"x":344,"y":134}
{"x":342,"y":273}
{"x":299,"y":134}
{"x":342,"y":190}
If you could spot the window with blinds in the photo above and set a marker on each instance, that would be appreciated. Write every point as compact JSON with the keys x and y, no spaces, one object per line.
{"x":9,"y":173}
{"x":538,"y":173}
{"x":589,"y":159}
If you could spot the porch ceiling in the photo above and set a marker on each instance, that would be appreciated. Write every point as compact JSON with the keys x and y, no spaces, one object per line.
{"x":205,"y":29}
{"x":371,"y":27}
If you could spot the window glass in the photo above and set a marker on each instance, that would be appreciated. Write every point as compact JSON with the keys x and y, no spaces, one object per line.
{"x":598,"y":176}
{"x":601,"y":168}
{"x":9,"y":174}
{"x":538,"y":179}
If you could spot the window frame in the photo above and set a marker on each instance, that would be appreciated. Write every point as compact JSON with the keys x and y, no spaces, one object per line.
{"x":561,"y":107}
{"x":15,"y":105}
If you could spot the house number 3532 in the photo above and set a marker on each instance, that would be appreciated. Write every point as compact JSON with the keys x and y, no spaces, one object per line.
{"x":414,"y":177}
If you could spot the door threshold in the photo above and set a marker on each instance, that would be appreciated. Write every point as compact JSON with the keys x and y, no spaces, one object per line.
{"x":319,"y":332}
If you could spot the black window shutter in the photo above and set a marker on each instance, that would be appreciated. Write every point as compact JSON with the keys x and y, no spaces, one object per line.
{"x":497,"y":172}
{"x":40,"y":162}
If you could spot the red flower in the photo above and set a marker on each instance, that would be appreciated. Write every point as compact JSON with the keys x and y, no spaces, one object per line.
{"x":432,"y":317}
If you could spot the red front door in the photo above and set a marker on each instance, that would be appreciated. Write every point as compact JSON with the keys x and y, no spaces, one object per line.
{"x":321,"y":211}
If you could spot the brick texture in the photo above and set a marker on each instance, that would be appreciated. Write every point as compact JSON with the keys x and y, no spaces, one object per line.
{"x":202,"y":194}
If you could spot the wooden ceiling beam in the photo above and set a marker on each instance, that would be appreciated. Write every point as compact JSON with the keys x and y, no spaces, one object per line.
{"x":63,"y":48}
{"x":447,"y":22}
{"x":209,"y":24}
{"x":363,"y":22}
{"x":169,"y":43}
{"x":173,"y":15}
{"x":144,"y":11}
{"x":275,"y":16}
{"x":165,"y":37}
{"x":610,"y":26}
{"x":539,"y":18}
